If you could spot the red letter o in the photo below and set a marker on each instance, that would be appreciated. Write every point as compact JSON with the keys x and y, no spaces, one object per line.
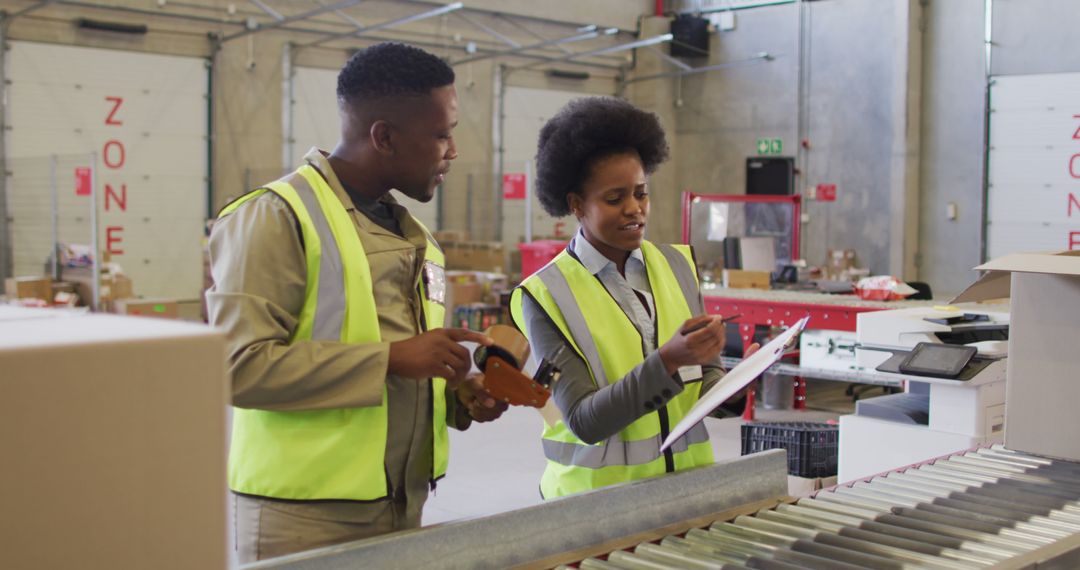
{"x":120,"y":148}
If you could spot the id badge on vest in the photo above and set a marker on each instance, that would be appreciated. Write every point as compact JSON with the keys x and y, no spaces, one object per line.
{"x":435,"y":282}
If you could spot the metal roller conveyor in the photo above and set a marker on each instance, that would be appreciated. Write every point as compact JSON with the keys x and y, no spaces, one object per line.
{"x":984,"y":508}
{"x":930,"y":501}
{"x":981,"y":509}
{"x":1043,"y":494}
{"x":987,"y":507}
{"x":969,"y":491}
{"x":1047,"y":498}
{"x":979,"y":550}
{"x":927,"y":532}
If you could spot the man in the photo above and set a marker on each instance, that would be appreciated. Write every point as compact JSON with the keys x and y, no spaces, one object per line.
{"x":331,"y":295}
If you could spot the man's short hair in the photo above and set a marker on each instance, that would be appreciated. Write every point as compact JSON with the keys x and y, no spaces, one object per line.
{"x":585,"y":131}
{"x":391,"y":70}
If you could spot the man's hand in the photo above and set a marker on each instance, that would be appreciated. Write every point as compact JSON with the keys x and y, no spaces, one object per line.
{"x":481,"y":406}
{"x":701,"y":339}
{"x":435,"y":353}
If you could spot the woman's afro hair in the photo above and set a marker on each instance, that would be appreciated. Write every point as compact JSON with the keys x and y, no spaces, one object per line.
{"x":584,"y":131}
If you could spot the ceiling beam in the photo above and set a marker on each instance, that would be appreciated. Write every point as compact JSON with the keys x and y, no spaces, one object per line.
{"x":763,"y":56}
{"x":273,"y":13}
{"x":588,"y":33}
{"x":444,"y":9}
{"x":291,"y":19}
{"x":610,"y":49}
{"x":537,"y":19}
{"x":491,"y":31}
{"x":28,"y":9}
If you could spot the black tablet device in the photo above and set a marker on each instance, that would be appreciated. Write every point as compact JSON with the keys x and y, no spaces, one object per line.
{"x":938,"y":360}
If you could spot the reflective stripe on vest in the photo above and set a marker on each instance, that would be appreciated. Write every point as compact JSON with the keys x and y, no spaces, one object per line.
{"x":614,"y":451}
{"x":563,"y":289}
{"x":335,"y":453}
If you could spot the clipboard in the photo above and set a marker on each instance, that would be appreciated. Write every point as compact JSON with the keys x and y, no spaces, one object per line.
{"x":736,"y":379}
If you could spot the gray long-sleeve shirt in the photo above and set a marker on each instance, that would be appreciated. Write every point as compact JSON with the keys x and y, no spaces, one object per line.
{"x":594,"y":413}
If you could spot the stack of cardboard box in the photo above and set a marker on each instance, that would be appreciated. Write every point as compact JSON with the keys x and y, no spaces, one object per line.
{"x":116,"y":292}
{"x":473,"y":299}
{"x":27,"y":288}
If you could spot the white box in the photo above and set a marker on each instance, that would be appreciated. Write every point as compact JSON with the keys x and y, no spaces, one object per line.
{"x":971,"y":408}
{"x":869,"y":446}
{"x":1044,"y":362}
{"x":112,"y":433}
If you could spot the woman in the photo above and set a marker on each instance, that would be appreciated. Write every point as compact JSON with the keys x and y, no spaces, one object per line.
{"x":628,"y":312}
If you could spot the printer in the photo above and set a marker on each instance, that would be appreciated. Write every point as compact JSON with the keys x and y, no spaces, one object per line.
{"x":953,"y":361}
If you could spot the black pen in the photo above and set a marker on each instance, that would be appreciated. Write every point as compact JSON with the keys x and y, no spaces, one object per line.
{"x":702,"y":325}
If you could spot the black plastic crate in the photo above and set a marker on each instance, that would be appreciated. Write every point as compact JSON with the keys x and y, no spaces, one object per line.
{"x":811,"y":447}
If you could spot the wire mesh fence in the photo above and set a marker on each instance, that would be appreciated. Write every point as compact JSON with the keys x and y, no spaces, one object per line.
{"x":49,"y":204}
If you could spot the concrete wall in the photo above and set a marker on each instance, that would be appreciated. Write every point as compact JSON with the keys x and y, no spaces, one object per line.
{"x":660,"y":97}
{"x":854,"y":85}
{"x":952,"y":163}
{"x":1029,"y":36}
{"x":1035,"y":36}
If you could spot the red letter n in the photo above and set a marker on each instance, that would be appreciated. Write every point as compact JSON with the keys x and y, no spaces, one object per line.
{"x":121,"y":199}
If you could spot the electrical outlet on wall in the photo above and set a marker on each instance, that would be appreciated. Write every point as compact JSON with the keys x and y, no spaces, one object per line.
{"x":722,"y":21}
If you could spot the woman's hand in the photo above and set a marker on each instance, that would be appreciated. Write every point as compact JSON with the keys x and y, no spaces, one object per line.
{"x":699,"y":341}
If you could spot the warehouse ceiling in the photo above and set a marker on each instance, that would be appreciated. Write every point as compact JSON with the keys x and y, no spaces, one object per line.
{"x":461,"y":32}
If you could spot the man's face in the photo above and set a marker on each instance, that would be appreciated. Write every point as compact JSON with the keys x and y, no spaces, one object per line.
{"x":424,"y":144}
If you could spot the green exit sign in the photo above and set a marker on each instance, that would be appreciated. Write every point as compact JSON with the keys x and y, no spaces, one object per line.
{"x":770,"y":146}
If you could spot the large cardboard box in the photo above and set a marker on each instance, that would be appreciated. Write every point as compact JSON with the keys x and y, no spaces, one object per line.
{"x":1044,"y":363}
{"x":112,"y":434}
{"x":29,"y":288}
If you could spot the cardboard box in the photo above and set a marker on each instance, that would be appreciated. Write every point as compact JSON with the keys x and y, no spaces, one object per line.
{"x":29,"y":288}
{"x":745,"y":279}
{"x":465,"y":293}
{"x":122,"y":287}
{"x":1041,"y":372}
{"x":475,"y":255}
{"x":162,"y":308}
{"x":83,"y":281}
{"x":465,"y":288}
{"x":448,"y":236}
{"x":112,"y":431}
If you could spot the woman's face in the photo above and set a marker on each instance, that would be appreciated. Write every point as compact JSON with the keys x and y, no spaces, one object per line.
{"x":613,"y":205}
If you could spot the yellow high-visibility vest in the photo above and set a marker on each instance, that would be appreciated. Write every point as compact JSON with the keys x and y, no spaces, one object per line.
{"x":335,"y":453}
{"x":611,"y":346}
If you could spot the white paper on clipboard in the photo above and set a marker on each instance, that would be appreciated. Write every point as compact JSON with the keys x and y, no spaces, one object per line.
{"x":746,"y":372}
